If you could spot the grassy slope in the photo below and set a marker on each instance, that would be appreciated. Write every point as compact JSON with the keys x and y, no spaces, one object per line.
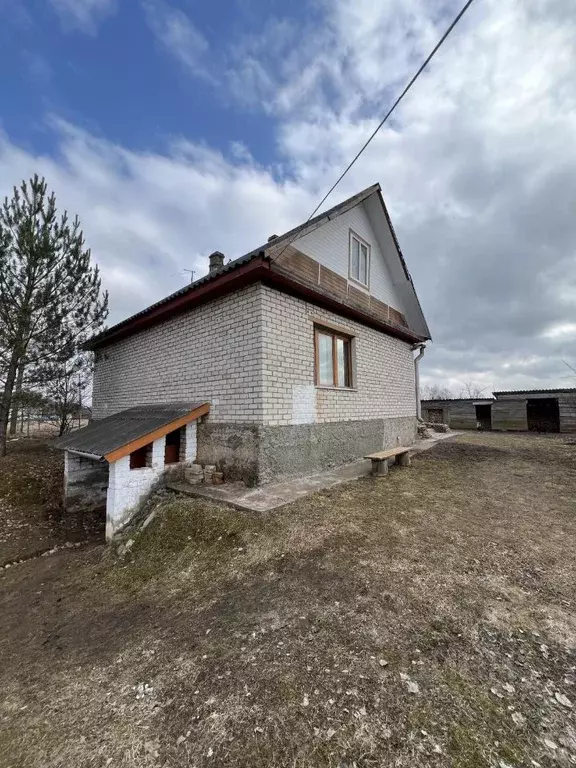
{"x":262,"y":637}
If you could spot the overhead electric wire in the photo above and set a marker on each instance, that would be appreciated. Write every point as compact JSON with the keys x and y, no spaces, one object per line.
{"x":386,"y":116}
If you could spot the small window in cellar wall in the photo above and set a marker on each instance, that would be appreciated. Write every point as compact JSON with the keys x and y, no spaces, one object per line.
{"x":172,"y":449}
{"x":141,"y":457}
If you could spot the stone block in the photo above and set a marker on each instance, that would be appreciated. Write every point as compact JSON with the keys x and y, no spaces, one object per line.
{"x":209,"y":470}
{"x":217,"y":478}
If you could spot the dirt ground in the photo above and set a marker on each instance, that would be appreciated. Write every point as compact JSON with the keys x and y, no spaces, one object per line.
{"x":31,"y":516}
{"x":422,"y":619}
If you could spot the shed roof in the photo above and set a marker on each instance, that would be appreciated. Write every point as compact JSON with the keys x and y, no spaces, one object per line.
{"x":459,"y":400}
{"x":535,"y":391}
{"x":118,"y":435}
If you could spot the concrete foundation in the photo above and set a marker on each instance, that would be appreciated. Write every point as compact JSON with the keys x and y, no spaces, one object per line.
{"x":261,"y":454}
{"x":232,"y":448}
{"x":292,"y":451}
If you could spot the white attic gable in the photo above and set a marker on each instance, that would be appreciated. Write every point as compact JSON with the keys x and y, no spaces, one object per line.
{"x":382,"y":226}
{"x":328,"y":243}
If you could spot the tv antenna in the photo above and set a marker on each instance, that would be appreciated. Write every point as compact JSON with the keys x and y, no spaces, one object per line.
{"x":191,"y":274}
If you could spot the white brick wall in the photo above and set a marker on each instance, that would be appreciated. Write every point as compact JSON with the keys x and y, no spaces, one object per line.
{"x":190,"y":442}
{"x":384,"y":368}
{"x":330,"y":245}
{"x":213,"y":353}
{"x":251,"y":355}
{"x":127,"y":487}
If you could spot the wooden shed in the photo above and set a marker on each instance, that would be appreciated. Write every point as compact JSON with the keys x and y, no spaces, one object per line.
{"x":462,"y":413}
{"x":535,"y":410}
{"x":530,"y":410}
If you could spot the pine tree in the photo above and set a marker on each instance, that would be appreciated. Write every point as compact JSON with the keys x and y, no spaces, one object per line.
{"x":50,"y":295}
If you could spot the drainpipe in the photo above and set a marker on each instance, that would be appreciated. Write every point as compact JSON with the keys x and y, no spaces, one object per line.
{"x":417,"y":359}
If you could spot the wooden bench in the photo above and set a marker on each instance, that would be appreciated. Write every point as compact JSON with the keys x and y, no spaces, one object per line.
{"x":380,"y":459}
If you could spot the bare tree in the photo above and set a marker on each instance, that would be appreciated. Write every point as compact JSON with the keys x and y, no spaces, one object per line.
{"x":66,"y":385}
{"x":472,"y":389}
{"x":436,"y":392}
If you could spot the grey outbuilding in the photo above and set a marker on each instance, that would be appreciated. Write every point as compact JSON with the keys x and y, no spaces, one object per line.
{"x":534,"y":410}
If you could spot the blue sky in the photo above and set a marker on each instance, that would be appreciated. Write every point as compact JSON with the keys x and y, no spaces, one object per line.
{"x":177,"y":127}
{"x":104,"y":71}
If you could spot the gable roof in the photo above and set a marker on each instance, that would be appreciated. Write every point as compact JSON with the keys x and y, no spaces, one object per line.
{"x":238,"y":268}
{"x":115,"y":436}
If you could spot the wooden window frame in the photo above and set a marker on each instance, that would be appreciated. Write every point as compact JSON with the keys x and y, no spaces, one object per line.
{"x":347,"y":339}
{"x":361,"y":241}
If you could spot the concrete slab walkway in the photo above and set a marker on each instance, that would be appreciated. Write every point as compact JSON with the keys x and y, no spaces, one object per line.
{"x":273,"y":495}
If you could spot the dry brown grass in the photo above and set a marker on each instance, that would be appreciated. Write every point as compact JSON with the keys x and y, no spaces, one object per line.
{"x":262,"y":636}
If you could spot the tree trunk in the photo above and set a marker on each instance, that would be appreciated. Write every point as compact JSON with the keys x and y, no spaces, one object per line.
{"x":18,"y":395}
{"x":63,"y":425}
{"x":7,"y":398}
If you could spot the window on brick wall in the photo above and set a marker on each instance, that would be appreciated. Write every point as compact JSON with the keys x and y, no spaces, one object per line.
{"x":141,"y":457}
{"x":333,"y":353}
{"x":359,"y":264}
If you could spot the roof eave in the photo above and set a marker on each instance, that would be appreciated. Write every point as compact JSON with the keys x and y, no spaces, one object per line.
{"x":221,"y":284}
{"x":257,"y":270}
{"x":233,"y":267}
{"x":149,"y":437}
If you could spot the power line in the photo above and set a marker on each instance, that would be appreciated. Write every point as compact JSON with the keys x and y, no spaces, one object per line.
{"x":387,"y":115}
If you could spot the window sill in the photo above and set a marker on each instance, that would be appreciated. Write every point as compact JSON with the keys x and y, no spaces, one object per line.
{"x":357,"y":284}
{"x":336,"y":389}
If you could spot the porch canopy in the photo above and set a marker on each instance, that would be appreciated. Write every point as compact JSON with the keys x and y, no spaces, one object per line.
{"x":116,"y":436}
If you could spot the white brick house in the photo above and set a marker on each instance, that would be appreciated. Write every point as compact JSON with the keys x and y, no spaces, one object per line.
{"x":302,"y":350}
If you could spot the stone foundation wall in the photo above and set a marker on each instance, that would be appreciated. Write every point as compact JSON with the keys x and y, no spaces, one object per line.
{"x":85,"y":482}
{"x":233,"y":448}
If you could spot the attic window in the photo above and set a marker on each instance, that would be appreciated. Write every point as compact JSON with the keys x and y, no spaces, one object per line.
{"x":359,"y":264}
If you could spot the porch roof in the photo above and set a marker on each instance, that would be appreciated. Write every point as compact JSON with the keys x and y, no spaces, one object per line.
{"x":118,"y":435}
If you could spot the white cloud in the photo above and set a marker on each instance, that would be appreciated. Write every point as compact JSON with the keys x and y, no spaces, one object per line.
{"x":478,"y":168}
{"x":179,"y":35}
{"x":147,"y":216}
{"x":561,"y":331}
{"x":85,"y":15}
